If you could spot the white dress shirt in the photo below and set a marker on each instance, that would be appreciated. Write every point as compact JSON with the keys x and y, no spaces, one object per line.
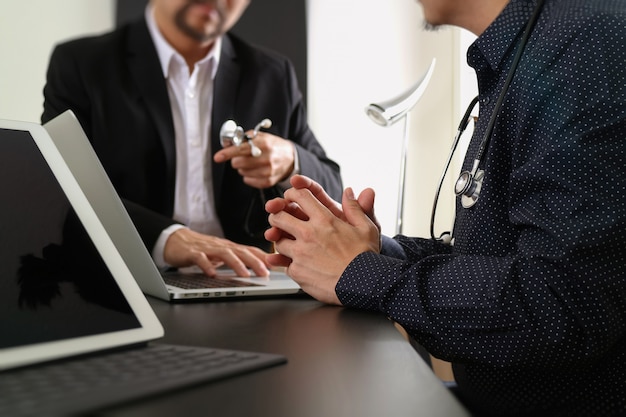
{"x":191,"y":99}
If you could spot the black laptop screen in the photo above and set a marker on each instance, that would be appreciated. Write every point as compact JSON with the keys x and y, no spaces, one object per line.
{"x":53,"y":283}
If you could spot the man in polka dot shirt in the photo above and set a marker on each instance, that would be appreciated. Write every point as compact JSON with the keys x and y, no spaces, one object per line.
{"x":529,"y":303}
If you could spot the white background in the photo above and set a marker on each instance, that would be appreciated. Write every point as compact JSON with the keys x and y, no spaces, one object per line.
{"x":360,"y":51}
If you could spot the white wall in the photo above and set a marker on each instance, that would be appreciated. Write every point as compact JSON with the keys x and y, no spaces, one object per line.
{"x":28,"y":31}
{"x":361,"y":51}
{"x":364,"y":51}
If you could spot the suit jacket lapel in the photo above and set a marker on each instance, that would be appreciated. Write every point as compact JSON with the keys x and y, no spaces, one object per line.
{"x":225,"y":90}
{"x":144,"y":65}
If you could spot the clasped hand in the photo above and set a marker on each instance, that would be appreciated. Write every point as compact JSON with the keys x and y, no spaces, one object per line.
{"x":275,"y":163}
{"x":316,"y":237}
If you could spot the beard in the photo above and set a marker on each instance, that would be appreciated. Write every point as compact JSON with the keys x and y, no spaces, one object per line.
{"x":430,"y":27}
{"x":200,"y":36}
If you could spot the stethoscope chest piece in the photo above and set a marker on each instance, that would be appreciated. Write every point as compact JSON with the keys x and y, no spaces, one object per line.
{"x":468,"y":186}
{"x":231,"y":134}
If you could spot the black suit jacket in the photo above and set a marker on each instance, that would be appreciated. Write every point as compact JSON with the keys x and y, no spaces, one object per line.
{"x":115,"y":86}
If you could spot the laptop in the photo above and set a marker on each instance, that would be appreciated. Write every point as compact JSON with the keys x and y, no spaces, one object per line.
{"x":77,"y":152}
{"x":68,"y":300}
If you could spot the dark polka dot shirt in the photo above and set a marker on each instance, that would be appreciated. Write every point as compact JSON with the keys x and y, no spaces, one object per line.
{"x":530,"y":302}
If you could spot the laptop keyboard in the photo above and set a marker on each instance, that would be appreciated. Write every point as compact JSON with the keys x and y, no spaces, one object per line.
{"x":197,"y":281}
{"x":93,"y":382}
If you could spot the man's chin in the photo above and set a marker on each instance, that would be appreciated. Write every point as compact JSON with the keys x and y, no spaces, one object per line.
{"x":209,"y":35}
{"x":431,"y":27}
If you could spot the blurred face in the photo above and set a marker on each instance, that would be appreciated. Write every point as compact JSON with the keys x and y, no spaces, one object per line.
{"x":199,"y":20}
{"x":473,"y":15}
{"x":440,"y":12}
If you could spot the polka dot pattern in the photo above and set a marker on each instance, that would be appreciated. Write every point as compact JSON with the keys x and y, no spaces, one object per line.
{"x":530,"y":302}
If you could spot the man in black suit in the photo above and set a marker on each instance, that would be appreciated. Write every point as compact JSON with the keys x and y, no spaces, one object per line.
{"x":152,"y":96}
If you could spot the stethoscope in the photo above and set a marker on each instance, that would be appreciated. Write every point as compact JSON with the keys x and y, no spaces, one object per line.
{"x":232,"y":134}
{"x":469,"y":184}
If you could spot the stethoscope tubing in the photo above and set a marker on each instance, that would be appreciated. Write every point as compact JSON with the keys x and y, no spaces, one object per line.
{"x":484,"y":143}
{"x":467,"y":117}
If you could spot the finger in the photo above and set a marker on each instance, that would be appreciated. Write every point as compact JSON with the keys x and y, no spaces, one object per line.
{"x":256,"y":172}
{"x":253,"y":259}
{"x":291,"y":228}
{"x":280,"y":204}
{"x":203,"y":262}
{"x":274,"y":234}
{"x":366,"y":200}
{"x":301,"y":182}
{"x":278,"y":260}
{"x":231,"y":152}
{"x":353,"y":211}
{"x":245,"y":163}
{"x":260,"y":255}
{"x":256,"y":181}
{"x":275,"y":205}
{"x":226,"y":154}
{"x":355,"y":215}
{"x":241,"y":262}
{"x":185,"y":247}
{"x":234,"y":262}
{"x":308,"y":204}
{"x":284,"y":248}
{"x":239,"y":258}
{"x":283,"y":226}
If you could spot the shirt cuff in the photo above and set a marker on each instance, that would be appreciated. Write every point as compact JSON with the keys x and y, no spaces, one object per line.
{"x":357,"y":286}
{"x":390,"y":247}
{"x":285,"y":184}
{"x":159,"y":246}
{"x":366,"y":280}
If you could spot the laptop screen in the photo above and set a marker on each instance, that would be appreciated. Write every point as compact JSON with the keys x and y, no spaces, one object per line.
{"x":53,"y":283}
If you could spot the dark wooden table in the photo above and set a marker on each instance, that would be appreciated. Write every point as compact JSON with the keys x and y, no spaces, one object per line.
{"x":341,"y":362}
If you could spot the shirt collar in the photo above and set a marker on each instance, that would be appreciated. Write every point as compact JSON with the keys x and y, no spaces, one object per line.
{"x":166,"y":52}
{"x":500,"y":37}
